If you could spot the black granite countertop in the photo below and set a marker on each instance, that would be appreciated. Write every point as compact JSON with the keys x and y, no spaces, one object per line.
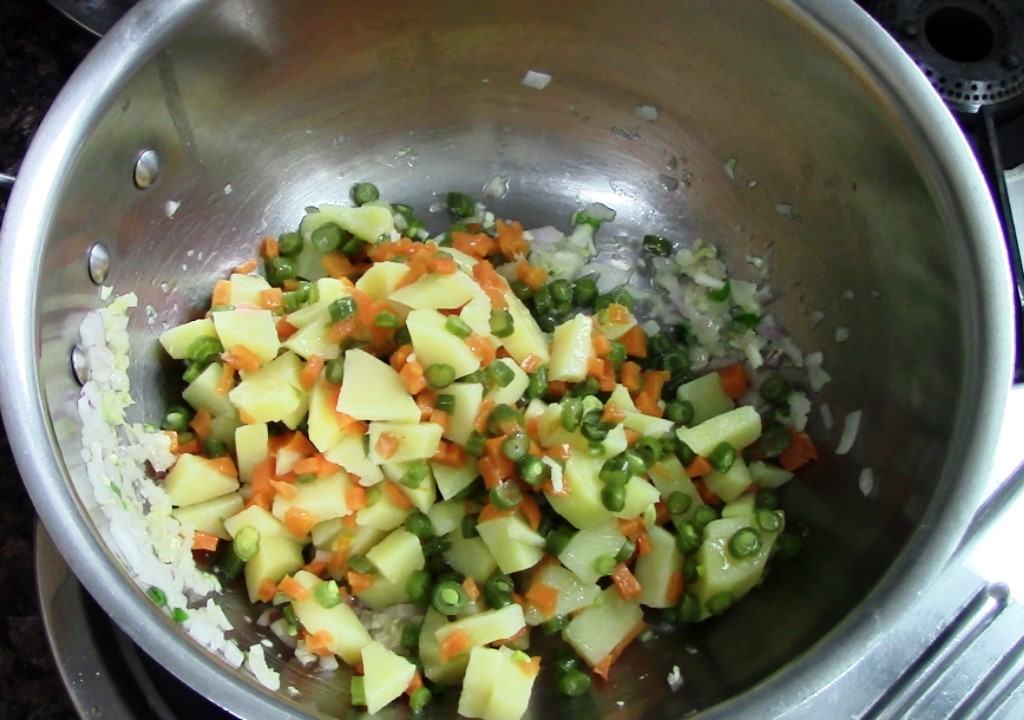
{"x":40,"y":50}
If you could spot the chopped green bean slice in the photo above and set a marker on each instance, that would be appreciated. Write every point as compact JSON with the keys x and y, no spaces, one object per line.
{"x":516,"y":446}
{"x":418,"y":586}
{"x":506,"y":495}
{"x":327,"y":594}
{"x":419,"y":699}
{"x":289,"y":244}
{"x":501,"y":374}
{"x":722,"y":457}
{"x":468,"y":526}
{"x":687,"y":538}
{"x":774,"y":440}
{"x":572,"y":414}
{"x":498,"y":589}
{"x":720,"y":294}
{"x":584,"y":292}
{"x":538,"y":385}
{"x":679,"y":412}
{"x":327,"y":238}
{"x":679,"y":502}
{"x":445,"y":403}
{"x":720,"y":602}
{"x":457,"y":326}
{"x":558,"y":540}
{"x":605,"y":564}
{"x":703,"y":515}
{"x":357,"y":690}
{"x":649,"y":449}
{"x":157,"y":595}
{"x":533,"y":471}
{"x":501,"y":323}
{"x":561,"y":291}
{"x":334,"y":371}
{"x":176,"y":418}
{"x":766,"y":498}
{"x":555,"y":624}
{"x":614,"y":497}
{"x":744,"y":543}
{"x":574,"y":683}
{"x":280,"y":269}
{"x":768,"y":520}
{"x":386,"y":319}
{"x":657,"y":245}
{"x":411,"y":635}
{"x":342,"y":309}
{"x":440,"y":375}
{"x":475,"y":444}
{"x":204,"y":350}
{"x":214,"y":448}
{"x":364,"y":192}
{"x":460,"y":205}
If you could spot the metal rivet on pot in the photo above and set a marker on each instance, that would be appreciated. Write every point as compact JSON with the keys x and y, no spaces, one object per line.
{"x":147,"y":169}
{"x":79,"y":364}
{"x":99,"y":263}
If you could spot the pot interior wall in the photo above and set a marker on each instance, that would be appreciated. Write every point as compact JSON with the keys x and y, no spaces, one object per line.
{"x":260,"y":109}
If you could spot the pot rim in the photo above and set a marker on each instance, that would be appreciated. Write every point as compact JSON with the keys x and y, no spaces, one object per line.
{"x":928,"y":130}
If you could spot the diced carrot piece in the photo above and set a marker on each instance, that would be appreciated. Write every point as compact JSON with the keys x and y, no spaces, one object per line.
{"x":483,"y":348}
{"x":632,"y":529}
{"x":654,"y":382}
{"x":259,"y":500}
{"x":285,"y":329}
{"x":531,"y":667}
{"x":226,"y":381}
{"x":340,"y":331}
{"x":602,"y":345}
{"x":643,"y":544}
{"x":299,"y":522}
{"x":476,"y":245}
{"x":530,"y":510}
{"x":262,"y":474}
{"x":450,"y":454}
{"x":455,"y":644}
{"x":298,"y":443}
{"x":647,"y":404}
{"x":674,"y":591}
{"x":557,"y":388}
{"x":490,"y":512}
{"x":355,"y":497}
{"x":386,"y":445}
{"x":533,"y":276}
{"x":398,"y":498}
{"x":631,"y":437}
{"x":734,"y":380}
{"x":440,"y":417}
{"x":612,"y":414}
{"x":489,"y":472}
{"x":337,"y":562}
{"x":293,"y":588}
{"x":201,"y":422}
{"x":412,"y":375}
{"x":359,"y":582}
{"x":801,"y":451}
{"x":221,"y":293}
{"x":284,"y":489}
{"x":662,"y":514}
{"x":706,"y":494}
{"x":401,"y":356}
{"x":511,"y":242}
{"x":317,"y":567}
{"x":470,"y":586}
{"x":224,"y":465}
{"x":629,"y":376}
{"x":618,"y":314}
{"x":595,"y":367}
{"x":204,"y":541}
{"x":267,"y":590}
{"x":491,"y":283}
{"x":530,"y":363}
{"x":315,"y":465}
{"x":319,"y":643}
{"x":698,"y":466}
{"x":480,"y":421}
{"x":349,"y":425}
{"x":311,"y":371}
{"x":560,"y":452}
{"x":635,"y":340}
{"x":492,"y":450}
{"x":272,"y":298}
{"x":415,"y":684}
{"x":241,"y":358}
{"x":270,"y":248}
{"x":247,"y":266}
{"x":604,"y":666}
{"x":544,"y":597}
{"x":625,"y":582}
{"x":444,"y":266}
{"x":337,"y":265}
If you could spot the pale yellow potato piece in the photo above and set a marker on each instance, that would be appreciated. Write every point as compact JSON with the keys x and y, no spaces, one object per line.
{"x":468,"y":398}
{"x":513,"y":392}
{"x":348,"y":634}
{"x":329,"y":289}
{"x":276,"y":558}
{"x":246,"y":289}
{"x":437,"y":292}
{"x":386,"y":675}
{"x":571,"y":348}
{"x":322,"y":420}
{"x":209,"y":515}
{"x":372,"y":390}
{"x":273,"y":393}
{"x":435,"y":345}
{"x":416,"y":441}
{"x":314,"y":339}
{"x":177,"y":340}
{"x":350,"y":454}
{"x":381,"y":279}
{"x":202,"y":393}
{"x":513,"y":544}
{"x":194,"y":479}
{"x":369,"y":223}
{"x":260,"y":520}
{"x":397,"y":555}
{"x":323,"y":498}
{"x":254,"y":330}
{"x":527,"y":338}
{"x":477,"y":314}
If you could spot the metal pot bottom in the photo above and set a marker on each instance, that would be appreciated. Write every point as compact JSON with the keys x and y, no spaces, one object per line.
{"x":105,"y":673}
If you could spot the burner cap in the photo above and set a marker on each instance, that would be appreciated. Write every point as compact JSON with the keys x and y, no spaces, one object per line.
{"x":972,"y":51}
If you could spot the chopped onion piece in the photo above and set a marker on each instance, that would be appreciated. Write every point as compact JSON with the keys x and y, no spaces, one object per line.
{"x":866,"y":481}
{"x":536,"y":80}
{"x":647,"y":112}
{"x":851,"y":425}
{"x":826,"y":416}
{"x":497,"y":187}
{"x":842,"y":334}
{"x":256,"y":661}
{"x":702,"y":278}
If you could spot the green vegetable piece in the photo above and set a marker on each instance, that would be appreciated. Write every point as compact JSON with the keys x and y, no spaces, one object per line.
{"x":775,"y":389}
{"x":532,"y":470}
{"x":498,"y":589}
{"x":351,"y":246}
{"x":679,"y":412}
{"x":460,"y":205}
{"x":788,"y":545}
{"x":204,"y":350}
{"x":689,"y":609}
{"x":440,"y":375}
{"x":247,"y":542}
{"x":678,"y":503}
{"x":720,"y":602}
{"x":521,"y":290}
{"x":436,"y":546}
{"x":364,"y":192}
{"x":774,"y":440}
{"x":543,"y":303}
{"x":179,"y":615}
{"x":634,"y":461}
{"x":457,"y":326}
{"x":516,"y":446}
{"x":584,"y":292}
{"x":722,"y":457}
{"x":361,"y":565}
{"x":214,"y":448}
{"x":558,"y":540}
{"x":419,"y":699}
{"x":386,"y":319}
{"x":561,"y":291}
{"x":357,"y":690}
{"x":334,"y":371}
{"x":626,"y":551}
{"x":445,"y":403}
{"x":657,"y":245}
{"x":157,"y":595}
{"x":768,"y":520}
{"x":687,"y":538}
{"x":415,"y":473}
{"x":342,"y":309}
{"x":418,"y":588}
{"x":538,"y":384}
{"x":506,"y":495}
{"x":503,"y":420}
{"x":766,"y":498}
{"x":702,"y":516}
{"x":448,"y":597}
{"x":468,"y":526}
{"x":614,"y":497}
{"x":419,"y":525}
{"x":289,"y":244}
{"x":327,"y":238}
{"x":720,"y":295}
{"x":411,"y":635}
{"x":572,"y":414}
{"x":574,"y":683}
{"x":623,"y":297}
{"x":617,"y":354}
{"x":614,"y":471}
{"x":176,"y":418}
{"x":327,"y":594}
{"x":744,"y":543}
{"x":605,"y":564}
{"x":280,"y":269}
{"x":555,"y":624}
{"x":501,"y":374}
{"x":501,"y":323}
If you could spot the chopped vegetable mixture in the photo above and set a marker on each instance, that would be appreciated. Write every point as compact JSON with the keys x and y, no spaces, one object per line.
{"x":377,"y":418}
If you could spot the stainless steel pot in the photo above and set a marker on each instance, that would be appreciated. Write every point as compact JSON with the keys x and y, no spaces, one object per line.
{"x":257,"y":109}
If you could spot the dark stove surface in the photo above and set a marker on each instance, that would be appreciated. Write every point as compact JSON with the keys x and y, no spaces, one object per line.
{"x":40,"y":51}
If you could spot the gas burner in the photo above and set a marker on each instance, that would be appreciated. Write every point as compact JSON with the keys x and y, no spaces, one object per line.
{"x":970,"y":50}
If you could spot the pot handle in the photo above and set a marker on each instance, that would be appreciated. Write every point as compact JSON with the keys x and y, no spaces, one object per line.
{"x":991,"y":160}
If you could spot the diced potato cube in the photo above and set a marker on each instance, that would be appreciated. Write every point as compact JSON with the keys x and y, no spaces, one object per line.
{"x":383,"y":593}
{"x":328,"y":290}
{"x":739,"y":428}
{"x":513,"y":544}
{"x":397,"y":555}
{"x":449,"y":672}
{"x":223,"y":428}
{"x":350,"y":453}
{"x":260,"y":520}
{"x":453,"y":480}
{"x":252,"y":329}
{"x":571,"y":349}
{"x":722,"y":571}
{"x":435,"y":345}
{"x":708,"y":397}
{"x":527,"y":338}
{"x":767,"y":475}
{"x":314,"y":339}
{"x":246,"y":289}
{"x":276,"y":558}
{"x":194,"y":479}
{"x":386,"y":675}
{"x":372,"y":390}
{"x":731,"y":484}
{"x":202,"y":393}
{"x":590,"y":544}
{"x":468,"y":398}
{"x":596,"y":631}
{"x":273,"y":393}
{"x":423,"y":496}
{"x":446,"y":516}
{"x":470,"y":557}
{"x":513,"y":392}
{"x":669,"y":476}
{"x":613,"y":331}
{"x":656,"y":571}
{"x":382,"y":513}
{"x":640,"y":495}
{"x":348,"y":634}
{"x":741,"y":506}
{"x":323,"y":498}
{"x":381,"y":279}
{"x":486,"y":627}
{"x":208,"y":516}
{"x":486,"y":666}
{"x":176,"y":341}
{"x":369,"y":223}
{"x":516,"y":686}
{"x":322,"y":421}
{"x":581,"y":505}
{"x":573,"y":594}
{"x":477,"y":314}
{"x":438,"y":292}
{"x":414,"y":441}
